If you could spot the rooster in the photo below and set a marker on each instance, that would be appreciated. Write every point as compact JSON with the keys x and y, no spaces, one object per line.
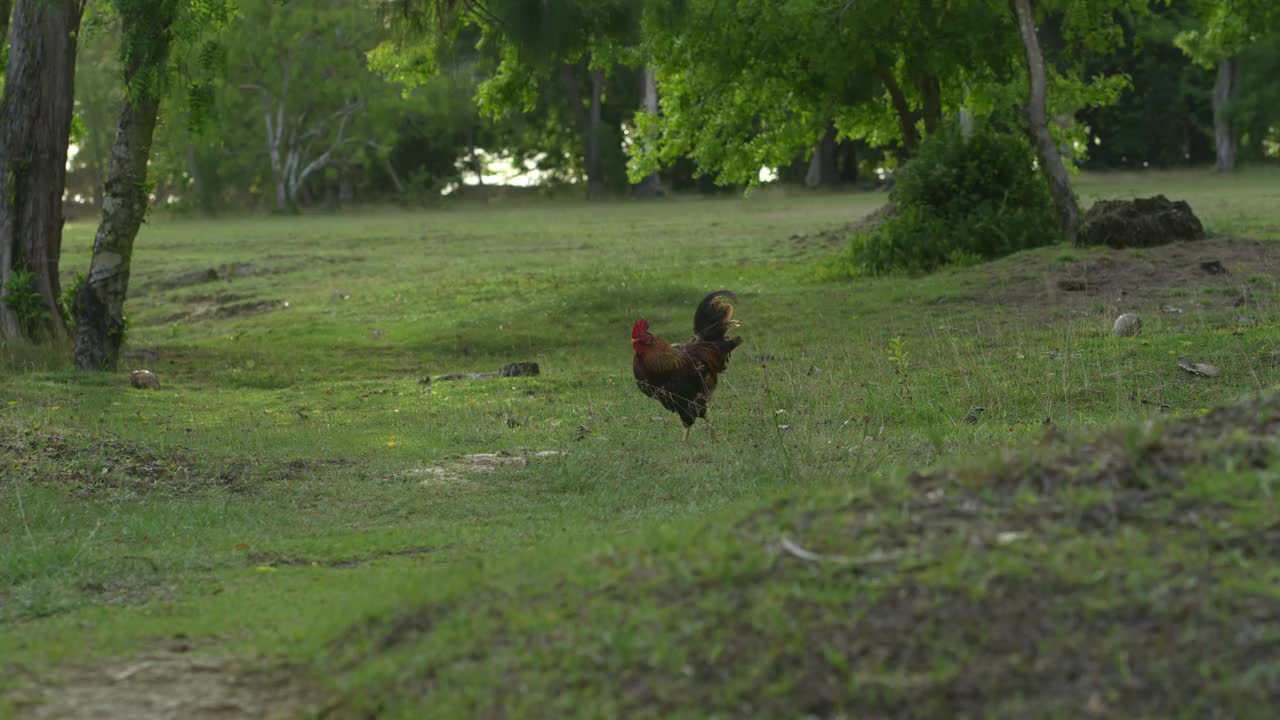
{"x":682,"y":376}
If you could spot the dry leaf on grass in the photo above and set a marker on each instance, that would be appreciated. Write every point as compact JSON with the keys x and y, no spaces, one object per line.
{"x":1201,"y":369}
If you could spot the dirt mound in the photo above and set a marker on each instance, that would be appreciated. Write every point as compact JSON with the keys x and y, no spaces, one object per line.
{"x":1122,"y":574}
{"x":1141,"y":222}
{"x":1218,"y":275}
{"x":87,"y":465}
{"x":167,"y":685}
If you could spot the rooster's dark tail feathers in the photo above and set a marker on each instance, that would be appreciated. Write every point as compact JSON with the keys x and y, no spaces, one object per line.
{"x":714,"y":318}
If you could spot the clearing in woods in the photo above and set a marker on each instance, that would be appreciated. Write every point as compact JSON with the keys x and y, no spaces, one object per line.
{"x":297,"y":522}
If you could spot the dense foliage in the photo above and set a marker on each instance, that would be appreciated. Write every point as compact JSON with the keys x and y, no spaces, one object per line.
{"x":959,"y":200}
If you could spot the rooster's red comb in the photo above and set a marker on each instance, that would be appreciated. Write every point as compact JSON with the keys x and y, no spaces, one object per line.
{"x":640,"y":328}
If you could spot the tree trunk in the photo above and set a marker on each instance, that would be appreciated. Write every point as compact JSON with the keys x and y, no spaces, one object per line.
{"x":931,"y":103}
{"x":35,"y":127}
{"x":1064,"y":198}
{"x":906,"y":123}
{"x":651,"y":185}
{"x":847,"y":161}
{"x":1225,"y":136}
{"x":597,"y":188}
{"x":588,"y":122}
{"x":100,"y":302}
{"x":822,"y":165}
{"x":966,"y":123}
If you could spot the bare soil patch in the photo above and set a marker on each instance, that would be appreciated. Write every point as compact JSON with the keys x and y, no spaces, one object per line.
{"x":190,"y":278}
{"x":457,"y":467}
{"x":1151,"y":279}
{"x":220,"y":307}
{"x":170,"y":684}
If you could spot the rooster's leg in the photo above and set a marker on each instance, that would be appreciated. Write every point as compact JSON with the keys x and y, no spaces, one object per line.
{"x":687,"y":428}
{"x":715,"y":436}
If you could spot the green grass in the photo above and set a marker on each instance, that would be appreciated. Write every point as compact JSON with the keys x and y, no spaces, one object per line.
{"x":279,"y":497}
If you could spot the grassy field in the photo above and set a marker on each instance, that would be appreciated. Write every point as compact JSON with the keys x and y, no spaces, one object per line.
{"x":300,"y":514}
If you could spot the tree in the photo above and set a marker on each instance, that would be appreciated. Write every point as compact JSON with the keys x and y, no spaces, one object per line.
{"x":304,"y":63}
{"x":99,"y":94}
{"x":565,"y":49}
{"x":650,"y":185}
{"x":1051,"y":165}
{"x":1165,"y":118}
{"x":148,"y":30}
{"x":1230,"y":28}
{"x":35,"y":126}
{"x":749,"y":84}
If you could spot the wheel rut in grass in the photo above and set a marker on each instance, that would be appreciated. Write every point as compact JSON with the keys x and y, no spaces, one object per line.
{"x":176,"y":683}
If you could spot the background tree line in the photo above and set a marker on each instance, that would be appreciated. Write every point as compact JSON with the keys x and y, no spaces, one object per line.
{"x":213,"y":105}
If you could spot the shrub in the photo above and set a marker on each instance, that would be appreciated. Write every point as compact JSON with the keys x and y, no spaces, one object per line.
{"x":959,"y":201}
{"x":68,"y":303}
{"x":21,"y":296}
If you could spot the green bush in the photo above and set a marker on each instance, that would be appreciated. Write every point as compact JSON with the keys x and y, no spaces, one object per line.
{"x":21,"y":296}
{"x":958,"y":202}
{"x":68,"y":302}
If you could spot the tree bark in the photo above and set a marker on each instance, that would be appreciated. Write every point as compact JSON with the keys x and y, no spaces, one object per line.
{"x":823,"y":172}
{"x":35,"y":127}
{"x":931,"y":103}
{"x":597,"y":188}
{"x":847,"y":161}
{"x":100,"y":302}
{"x":906,"y":123}
{"x":588,"y":120}
{"x":1064,"y":197}
{"x":651,"y":185}
{"x":1225,"y":136}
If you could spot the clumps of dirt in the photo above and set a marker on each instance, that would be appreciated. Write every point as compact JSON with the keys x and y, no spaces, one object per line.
{"x":1141,"y":222}
{"x":89,"y":466}
{"x":221,"y":307}
{"x":1140,"y":469}
{"x":1147,"y":279}
{"x":838,"y":237}
{"x":456,"y":467}
{"x":240,"y":309}
{"x":514,"y":369}
{"x":229,"y":271}
{"x":275,"y":559}
{"x":167,"y":684}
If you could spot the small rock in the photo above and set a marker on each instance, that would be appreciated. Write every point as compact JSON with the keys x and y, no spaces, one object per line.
{"x":1173,"y":310}
{"x":518,"y":369}
{"x":1213,"y":267}
{"x":1072,"y":285}
{"x":974,"y":413}
{"x":144,"y":380}
{"x":1127,"y":325}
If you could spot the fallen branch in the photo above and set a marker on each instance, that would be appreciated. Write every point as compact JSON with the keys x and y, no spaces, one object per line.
{"x":791,"y":548}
